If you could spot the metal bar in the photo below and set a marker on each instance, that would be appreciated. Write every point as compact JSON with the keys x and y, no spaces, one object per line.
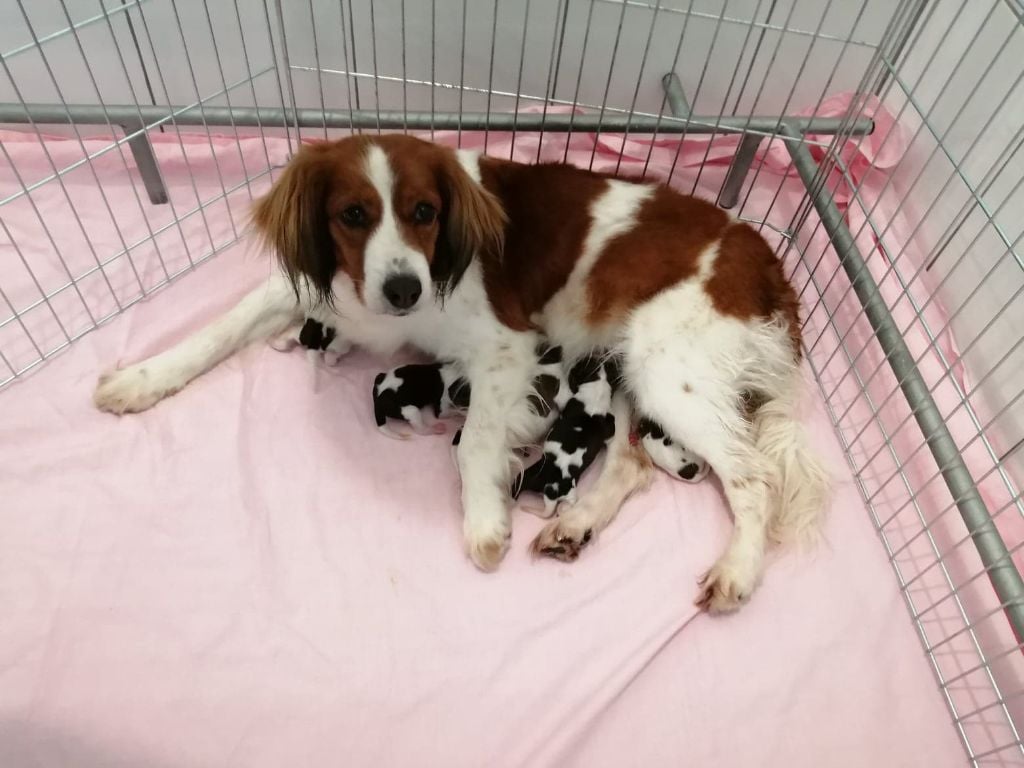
{"x":277,"y":71}
{"x":348,"y":80}
{"x":900,"y":45}
{"x":677,"y":103}
{"x":38,"y":42}
{"x":462,"y":82}
{"x":1006,"y":580}
{"x":943,"y":566}
{"x":549,"y":91}
{"x":607,"y":88}
{"x":639,"y":80}
{"x":664,"y":88}
{"x":145,"y":161}
{"x":579,"y":80}
{"x":286,"y":60}
{"x":73,"y":282}
{"x":725,"y":101}
{"x":316,"y":60}
{"x":90,"y":114}
{"x":490,"y":73}
{"x":111,"y":315}
{"x":519,"y":81}
{"x":741,"y":163}
{"x":762,"y":25}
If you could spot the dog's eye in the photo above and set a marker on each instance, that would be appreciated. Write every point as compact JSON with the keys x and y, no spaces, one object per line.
{"x":424,"y":213}
{"x":354,"y":216}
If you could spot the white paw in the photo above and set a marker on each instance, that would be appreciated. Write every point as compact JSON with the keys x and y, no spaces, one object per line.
{"x":132,"y":389}
{"x":728,"y":584}
{"x":285,"y":341}
{"x":487,"y":539}
{"x":337,"y":350}
{"x":394,"y":434}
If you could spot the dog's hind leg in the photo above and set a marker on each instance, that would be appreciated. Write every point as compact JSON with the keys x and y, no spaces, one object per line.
{"x":693,"y":390}
{"x":264,"y":312}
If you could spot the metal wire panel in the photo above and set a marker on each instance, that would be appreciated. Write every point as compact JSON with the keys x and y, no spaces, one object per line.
{"x":904,"y":243}
{"x":947,"y":267}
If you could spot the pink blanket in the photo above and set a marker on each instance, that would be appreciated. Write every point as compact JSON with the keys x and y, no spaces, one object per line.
{"x":250,"y":575}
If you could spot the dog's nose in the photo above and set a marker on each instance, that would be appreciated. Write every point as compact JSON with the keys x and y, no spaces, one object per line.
{"x":403,"y":291}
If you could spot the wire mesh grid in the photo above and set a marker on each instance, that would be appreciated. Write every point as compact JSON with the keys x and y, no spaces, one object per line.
{"x":877,"y":144}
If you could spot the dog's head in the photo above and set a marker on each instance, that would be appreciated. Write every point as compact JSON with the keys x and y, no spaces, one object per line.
{"x":399,"y":216}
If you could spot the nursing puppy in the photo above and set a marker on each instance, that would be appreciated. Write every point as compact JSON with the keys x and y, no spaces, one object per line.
{"x":418,"y":394}
{"x":577,"y":437}
{"x":671,"y":456}
{"x":471,"y":258}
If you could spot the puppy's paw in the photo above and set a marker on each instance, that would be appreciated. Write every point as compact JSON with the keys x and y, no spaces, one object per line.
{"x":562,"y":540}
{"x":543,"y":511}
{"x":394,"y":434}
{"x":487,"y":541}
{"x":337,"y":350}
{"x":285,"y":341}
{"x":727,"y":586}
{"x":133,"y":389}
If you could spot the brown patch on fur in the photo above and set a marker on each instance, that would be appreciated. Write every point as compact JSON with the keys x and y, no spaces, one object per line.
{"x":748,"y":281}
{"x":300,"y":219}
{"x":687,"y":388}
{"x":662,"y":248}
{"x":548,"y":218}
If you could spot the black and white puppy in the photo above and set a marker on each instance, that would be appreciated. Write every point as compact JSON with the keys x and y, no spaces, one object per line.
{"x":577,"y":437}
{"x":418,"y":394}
{"x":421,"y":394}
{"x":319,"y":339}
{"x":672,"y":457}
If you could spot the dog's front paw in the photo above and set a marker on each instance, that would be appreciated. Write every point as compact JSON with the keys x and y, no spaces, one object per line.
{"x":132,"y":389}
{"x":487,"y":541}
{"x":562,"y":539}
{"x":727,"y":586}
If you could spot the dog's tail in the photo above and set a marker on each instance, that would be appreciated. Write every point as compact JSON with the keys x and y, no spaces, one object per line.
{"x":802,"y":481}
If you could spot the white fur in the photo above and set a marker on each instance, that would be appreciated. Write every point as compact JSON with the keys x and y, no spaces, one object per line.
{"x":386,"y":253}
{"x":611,"y":214}
{"x":688,"y":366}
{"x":265,"y":312}
{"x":596,"y":395}
{"x":390,"y":382}
{"x":450,"y":373}
{"x":674,"y":457}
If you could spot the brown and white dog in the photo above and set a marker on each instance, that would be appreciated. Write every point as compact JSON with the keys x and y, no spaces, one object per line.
{"x":394,"y":241}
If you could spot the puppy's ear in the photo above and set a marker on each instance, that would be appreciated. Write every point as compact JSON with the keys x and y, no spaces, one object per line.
{"x":472,"y":223}
{"x":291,"y":219}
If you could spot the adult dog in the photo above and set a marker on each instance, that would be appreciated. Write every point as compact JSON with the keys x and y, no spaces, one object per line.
{"x":394,"y":241}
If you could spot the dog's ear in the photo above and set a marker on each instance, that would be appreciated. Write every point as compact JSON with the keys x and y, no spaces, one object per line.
{"x":292,"y":220}
{"x":472,"y":223}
